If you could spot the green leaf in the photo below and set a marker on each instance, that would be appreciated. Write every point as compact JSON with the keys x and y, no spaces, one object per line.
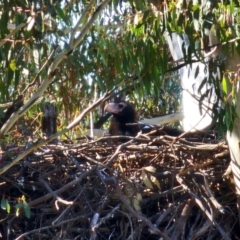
{"x":8,"y":206}
{"x":19,"y":205}
{"x":42,"y":23}
{"x":146,"y":15}
{"x":2,"y":114}
{"x":61,"y":13}
{"x":26,"y":209}
{"x":17,"y":212}
{"x":10,"y":75}
{"x":233,"y":92}
{"x":13,"y":65}
{"x":9,"y":154}
{"x":195,"y":7}
{"x":3,"y":203}
{"x":147,"y":84}
{"x":125,"y":62}
{"x":224,"y":85}
{"x":17,"y":77}
{"x":155,"y":181}
{"x":146,"y":180}
{"x":4,"y":20}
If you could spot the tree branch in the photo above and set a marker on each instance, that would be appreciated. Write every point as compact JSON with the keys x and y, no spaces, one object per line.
{"x":58,"y":59}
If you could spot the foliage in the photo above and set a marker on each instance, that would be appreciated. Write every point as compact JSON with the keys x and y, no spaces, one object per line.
{"x":117,"y":48}
{"x":21,"y":205}
{"x":123,"y":47}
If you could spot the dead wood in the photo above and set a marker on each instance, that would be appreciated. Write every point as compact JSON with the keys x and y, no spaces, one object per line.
{"x":146,"y":188}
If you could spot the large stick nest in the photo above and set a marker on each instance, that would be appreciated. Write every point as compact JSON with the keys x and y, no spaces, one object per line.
{"x":140,"y":188}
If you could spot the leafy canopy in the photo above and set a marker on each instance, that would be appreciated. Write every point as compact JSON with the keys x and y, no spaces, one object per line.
{"x":122,"y":46}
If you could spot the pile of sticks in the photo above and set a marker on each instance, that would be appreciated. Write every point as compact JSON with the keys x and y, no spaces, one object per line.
{"x":120,"y":188}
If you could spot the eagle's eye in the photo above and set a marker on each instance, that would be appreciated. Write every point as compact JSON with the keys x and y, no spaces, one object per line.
{"x":121,"y":105}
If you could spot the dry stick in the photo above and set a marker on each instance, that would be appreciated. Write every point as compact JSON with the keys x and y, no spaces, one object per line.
{"x":195,"y":232}
{"x":180,"y":226}
{"x":199,"y":203}
{"x":6,"y":105}
{"x":153,"y":228}
{"x":87,"y":26}
{"x":75,"y":162}
{"x":227,"y":172}
{"x":102,"y":139}
{"x":225,"y":153}
{"x":189,"y":145}
{"x":213,"y":200}
{"x":131,"y":236}
{"x":197,"y":166}
{"x":95,"y":219}
{"x":45,"y":184}
{"x":185,"y":141}
{"x":164,"y":215}
{"x":55,"y":222}
{"x":170,"y":227}
{"x":109,"y":215}
{"x":63,"y":189}
{"x":214,"y":214}
{"x":119,"y":148}
{"x":84,"y":14}
{"x":194,"y":127}
{"x":48,"y":227}
{"x":92,"y":160}
{"x":157,"y":196}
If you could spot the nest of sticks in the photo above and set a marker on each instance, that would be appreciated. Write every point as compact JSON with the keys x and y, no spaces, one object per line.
{"x":120,"y":188}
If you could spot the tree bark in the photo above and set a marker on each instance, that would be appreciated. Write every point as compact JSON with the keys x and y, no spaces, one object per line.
{"x":49,"y":119}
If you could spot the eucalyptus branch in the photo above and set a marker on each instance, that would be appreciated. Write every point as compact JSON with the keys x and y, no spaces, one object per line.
{"x":58,"y":59}
{"x":88,"y":25}
{"x":39,"y":72}
{"x":85,"y":12}
{"x":20,"y":26}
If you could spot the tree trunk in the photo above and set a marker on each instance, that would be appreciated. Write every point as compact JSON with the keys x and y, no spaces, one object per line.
{"x":233,"y":137}
{"x":198,"y":94}
{"x":49,"y":119}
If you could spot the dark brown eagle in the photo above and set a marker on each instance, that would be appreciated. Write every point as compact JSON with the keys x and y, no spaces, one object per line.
{"x":122,"y":113}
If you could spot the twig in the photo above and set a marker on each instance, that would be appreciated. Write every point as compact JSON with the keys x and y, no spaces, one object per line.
{"x":45,"y":184}
{"x":153,"y":228}
{"x":210,"y":195}
{"x":48,"y":227}
{"x":61,"y":190}
{"x":199,"y":203}
{"x":20,"y":26}
{"x":39,"y":72}
{"x":180,"y":226}
{"x":95,"y":219}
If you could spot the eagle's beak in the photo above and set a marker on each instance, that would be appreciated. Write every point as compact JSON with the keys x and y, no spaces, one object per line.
{"x":112,"y":108}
